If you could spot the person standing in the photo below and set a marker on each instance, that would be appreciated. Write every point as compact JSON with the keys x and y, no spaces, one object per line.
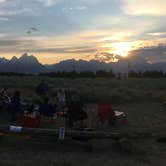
{"x":61,"y":100}
{"x":42,"y":89}
{"x":15,"y":106}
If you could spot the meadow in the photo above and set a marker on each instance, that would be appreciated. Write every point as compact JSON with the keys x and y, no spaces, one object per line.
{"x":142,"y":100}
{"x":91,"y":89}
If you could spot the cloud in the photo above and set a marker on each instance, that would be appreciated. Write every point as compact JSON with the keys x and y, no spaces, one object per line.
{"x":2,"y":1}
{"x":76,"y":8}
{"x":48,"y":3}
{"x":157,"y":34}
{"x":18,"y":7}
{"x":105,"y":57}
{"x":39,"y":44}
{"x":8,"y":45}
{"x":24,"y":7}
{"x":17,"y":2}
{"x":142,"y":7}
{"x":64,"y":50}
{"x":3,"y":19}
{"x":22,"y":12}
{"x":152,"y":54}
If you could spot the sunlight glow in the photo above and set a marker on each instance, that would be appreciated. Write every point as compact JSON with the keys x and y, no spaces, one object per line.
{"x":122,"y":48}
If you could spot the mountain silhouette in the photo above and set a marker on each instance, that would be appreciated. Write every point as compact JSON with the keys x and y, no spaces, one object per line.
{"x":29,"y":64}
{"x":24,"y":64}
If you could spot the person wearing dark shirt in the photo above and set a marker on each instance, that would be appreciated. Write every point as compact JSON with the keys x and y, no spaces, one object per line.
{"x":42,"y":88}
{"x":46,"y":108}
{"x":15,"y":105}
{"x":75,"y":113}
{"x":4,"y":98}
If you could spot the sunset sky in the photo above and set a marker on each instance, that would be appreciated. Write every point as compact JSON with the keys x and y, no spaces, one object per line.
{"x":56,"y":30}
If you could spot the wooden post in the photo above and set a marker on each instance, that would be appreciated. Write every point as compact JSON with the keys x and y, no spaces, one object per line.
{"x":84,"y":134}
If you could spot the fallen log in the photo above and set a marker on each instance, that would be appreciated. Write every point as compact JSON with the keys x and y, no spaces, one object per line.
{"x":75,"y":134}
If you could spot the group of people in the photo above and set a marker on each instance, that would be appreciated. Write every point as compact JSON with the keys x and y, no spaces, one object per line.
{"x":72,"y":110}
{"x":65,"y":104}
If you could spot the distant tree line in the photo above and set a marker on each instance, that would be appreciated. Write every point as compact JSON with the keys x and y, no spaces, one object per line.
{"x":106,"y":74}
{"x":14,"y":74}
{"x":97,"y":74}
{"x":83,"y":74}
{"x":148,"y":74}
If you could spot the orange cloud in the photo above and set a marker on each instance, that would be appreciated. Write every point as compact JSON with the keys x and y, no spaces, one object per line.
{"x":142,"y":7}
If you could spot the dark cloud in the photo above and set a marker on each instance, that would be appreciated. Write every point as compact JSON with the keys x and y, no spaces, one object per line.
{"x":149,"y":54}
{"x":25,"y":45}
{"x":14,"y":45}
{"x":105,"y":57}
{"x":78,"y":50}
{"x":9,"y":43}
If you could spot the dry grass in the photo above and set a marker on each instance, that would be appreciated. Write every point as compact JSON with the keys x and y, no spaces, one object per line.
{"x":151,"y":117}
{"x":92,"y":90}
{"x":144,"y":110}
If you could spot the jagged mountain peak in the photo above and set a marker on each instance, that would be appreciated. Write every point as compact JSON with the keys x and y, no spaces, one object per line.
{"x":14,"y":58}
{"x":3,"y":60}
{"x":30,"y":64}
{"x":25,"y":58}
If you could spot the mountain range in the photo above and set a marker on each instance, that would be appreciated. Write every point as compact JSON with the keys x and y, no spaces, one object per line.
{"x":29,"y":64}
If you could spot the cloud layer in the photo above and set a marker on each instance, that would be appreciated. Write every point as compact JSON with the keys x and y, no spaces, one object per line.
{"x":83,"y":29}
{"x":142,"y":7}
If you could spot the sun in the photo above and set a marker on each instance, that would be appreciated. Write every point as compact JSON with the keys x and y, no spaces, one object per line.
{"x":122,"y":48}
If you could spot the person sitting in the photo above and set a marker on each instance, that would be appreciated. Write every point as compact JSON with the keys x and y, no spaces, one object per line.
{"x":31,"y":111}
{"x":75,"y":114}
{"x":106,"y":113}
{"x":5,"y":95}
{"x":46,"y":108}
{"x":4,"y":98}
{"x":31,"y":117}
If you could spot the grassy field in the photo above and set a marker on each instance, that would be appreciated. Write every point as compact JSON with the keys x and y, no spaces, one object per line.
{"x":92,"y":90}
{"x":140,"y":99}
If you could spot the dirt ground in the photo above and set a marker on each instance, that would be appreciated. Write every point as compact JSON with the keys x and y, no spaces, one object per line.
{"x":147,"y":117}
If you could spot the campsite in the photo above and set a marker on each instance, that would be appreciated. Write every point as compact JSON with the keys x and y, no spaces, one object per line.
{"x":141,"y":99}
{"x":82,"y":83}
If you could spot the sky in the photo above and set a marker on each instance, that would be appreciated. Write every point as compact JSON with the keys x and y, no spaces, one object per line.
{"x":56,"y":30}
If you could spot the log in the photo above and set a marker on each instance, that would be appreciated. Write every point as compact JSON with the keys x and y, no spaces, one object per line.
{"x":82,"y":134}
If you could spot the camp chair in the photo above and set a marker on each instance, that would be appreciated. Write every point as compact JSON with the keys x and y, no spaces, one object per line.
{"x":31,"y":122}
{"x":106,"y":113}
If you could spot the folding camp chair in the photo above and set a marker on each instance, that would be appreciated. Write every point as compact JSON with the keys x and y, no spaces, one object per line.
{"x":31,"y":122}
{"x":106,"y":113}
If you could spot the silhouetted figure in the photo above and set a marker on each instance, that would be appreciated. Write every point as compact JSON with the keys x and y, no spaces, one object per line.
{"x":61,"y":100}
{"x":42,"y":88}
{"x":75,"y":113}
{"x":15,"y":106}
{"x":4,"y":98}
{"x":119,"y":76}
